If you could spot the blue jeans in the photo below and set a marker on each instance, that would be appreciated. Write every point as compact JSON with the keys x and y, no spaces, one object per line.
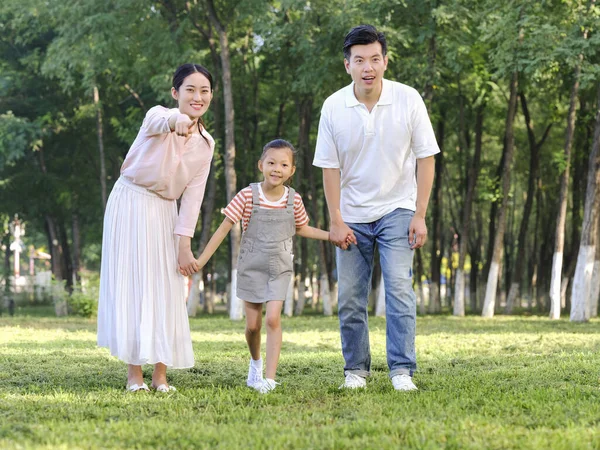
{"x":355,"y":269}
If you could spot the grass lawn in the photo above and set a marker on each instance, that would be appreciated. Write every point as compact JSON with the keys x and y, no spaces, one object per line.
{"x":510,"y":382}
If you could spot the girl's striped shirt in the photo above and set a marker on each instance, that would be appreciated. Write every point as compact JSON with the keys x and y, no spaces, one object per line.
{"x":240,"y":206}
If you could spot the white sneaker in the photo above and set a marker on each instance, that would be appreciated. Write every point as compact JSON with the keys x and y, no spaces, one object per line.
{"x":403,"y":382}
{"x":353,"y":382}
{"x":266,"y":385}
{"x":254,"y":375}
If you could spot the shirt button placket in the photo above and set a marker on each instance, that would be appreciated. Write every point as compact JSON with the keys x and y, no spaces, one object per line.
{"x":369,"y":121}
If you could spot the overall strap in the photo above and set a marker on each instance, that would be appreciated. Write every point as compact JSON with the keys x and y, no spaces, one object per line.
{"x":255,"y":196}
{"x":291,"y":198}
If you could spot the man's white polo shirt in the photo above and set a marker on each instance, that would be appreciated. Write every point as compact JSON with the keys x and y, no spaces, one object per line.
{"x":375,"y":151}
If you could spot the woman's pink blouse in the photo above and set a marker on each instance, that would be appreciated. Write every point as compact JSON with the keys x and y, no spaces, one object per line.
{"x":171,"y":165}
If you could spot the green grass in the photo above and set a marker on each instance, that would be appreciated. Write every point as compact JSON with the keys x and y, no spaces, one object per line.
{"x":510,"y":382}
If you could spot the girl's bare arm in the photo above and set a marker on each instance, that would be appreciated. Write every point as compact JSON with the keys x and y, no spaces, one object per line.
{"x":215,"y":241}
{"x":312,"y":233}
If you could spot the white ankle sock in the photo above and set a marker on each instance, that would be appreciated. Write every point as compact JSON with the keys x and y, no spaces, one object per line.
{"x":257,"y":364}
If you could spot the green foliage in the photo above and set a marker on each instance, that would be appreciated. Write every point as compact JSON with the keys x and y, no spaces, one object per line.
{"x":17,"y":136}
{"x":459,"y":54}
{"x":83,"y":303}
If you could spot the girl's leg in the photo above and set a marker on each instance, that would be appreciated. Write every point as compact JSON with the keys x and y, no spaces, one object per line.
{"x":159,"y":376}
{"x":273,"y":321}
{"x":253,"y":326}
{"x":134,"y":375}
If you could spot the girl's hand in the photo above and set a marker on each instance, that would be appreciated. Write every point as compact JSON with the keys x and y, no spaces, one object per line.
{"x":184,"y":125}
{"x":187,"y":263}
{"x":342,"y":235}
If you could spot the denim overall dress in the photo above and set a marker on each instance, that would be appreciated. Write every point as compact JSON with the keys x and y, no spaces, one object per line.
{"x":265,"y":262}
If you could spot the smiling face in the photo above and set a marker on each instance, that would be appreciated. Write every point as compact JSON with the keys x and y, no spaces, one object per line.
{"x":193,"y":96}
{"x":277,"y":166}
{"x":366,"y":67}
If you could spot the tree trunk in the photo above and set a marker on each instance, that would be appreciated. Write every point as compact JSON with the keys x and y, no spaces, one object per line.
{"x":459,"y":287}
{"x":537,"y":250}
{"x":235,"y":304}
{"x":559,"y":243}
{"x":76,"y":231}
{"x":327,"y":287}
{"x":6,"y":300}
{"x":582,"y":282}
{"x":288,"y":304}
{"x":329,"y":255}
{"x":436,"y":237}
{"x":7,"y":253}
{"x":56,"y":257}
{"x":534,"y":150}
{"x":67,"y":263}
{"x":208,"y":204}
{"x":197,"y":294}
{"x":55,"y":248}
{"x":492,"y":282}
{"x":493,"y":216}
{"x":475,"y":246}
{"x":305,"y":109}
{"x":210,"y":291}
{"x":418,"y":280}
{"x":280,"y":116}
{"x":100,"y":131}
{"x":595,"y":290}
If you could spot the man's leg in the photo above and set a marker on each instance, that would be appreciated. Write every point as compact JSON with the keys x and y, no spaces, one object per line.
{"x":400,"y":300}
{"x":355,"y":267}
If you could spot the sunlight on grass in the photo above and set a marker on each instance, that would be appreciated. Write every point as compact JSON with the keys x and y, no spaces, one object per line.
{"x":511,"y":382}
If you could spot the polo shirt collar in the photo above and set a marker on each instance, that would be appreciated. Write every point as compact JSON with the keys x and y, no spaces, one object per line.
{"x":387,"y":93}
{"x":351,"y":100}
{"x":384,"y":99}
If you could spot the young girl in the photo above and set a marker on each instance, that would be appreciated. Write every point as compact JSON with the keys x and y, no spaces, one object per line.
{"x":271,"y":214}
{"x":142,"y":316}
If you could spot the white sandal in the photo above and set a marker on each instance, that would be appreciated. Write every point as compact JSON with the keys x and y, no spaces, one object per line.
{"x":164,"y":388}
{"x":137,"y":387}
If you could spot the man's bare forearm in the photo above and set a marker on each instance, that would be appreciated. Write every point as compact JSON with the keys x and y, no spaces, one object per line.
{"x":425,"y":175}
{"x":331,"y":186}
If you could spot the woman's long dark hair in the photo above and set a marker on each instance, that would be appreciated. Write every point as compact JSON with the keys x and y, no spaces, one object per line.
{"x":182,"y":73}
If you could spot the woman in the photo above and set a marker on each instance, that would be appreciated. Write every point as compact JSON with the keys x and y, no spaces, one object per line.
{"x":146,"y":245}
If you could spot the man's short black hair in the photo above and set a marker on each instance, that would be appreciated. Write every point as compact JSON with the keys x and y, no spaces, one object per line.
{"x":363,"y":35}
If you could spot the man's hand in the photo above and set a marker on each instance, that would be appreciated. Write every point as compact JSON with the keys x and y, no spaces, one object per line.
{"x":341,"y":235}
{"x":417,"y":232}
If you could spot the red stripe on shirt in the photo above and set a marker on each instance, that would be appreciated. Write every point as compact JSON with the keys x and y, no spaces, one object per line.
{"x":240,"y":207}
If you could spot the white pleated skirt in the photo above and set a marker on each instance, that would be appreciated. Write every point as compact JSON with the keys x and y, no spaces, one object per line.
{"x":142,"y":315}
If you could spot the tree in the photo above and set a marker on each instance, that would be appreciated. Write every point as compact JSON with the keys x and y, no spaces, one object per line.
{"x":581,"y":297}
{"x":534,"y":152}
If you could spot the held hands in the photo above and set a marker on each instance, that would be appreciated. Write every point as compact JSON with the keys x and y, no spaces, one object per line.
{"x":184,"y":125}
{"x":187,"y":263}
{"x":342,"y":235}
{"x":417,"y":232}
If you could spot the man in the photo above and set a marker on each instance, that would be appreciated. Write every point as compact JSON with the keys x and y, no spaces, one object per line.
{"x":376,"y":147}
